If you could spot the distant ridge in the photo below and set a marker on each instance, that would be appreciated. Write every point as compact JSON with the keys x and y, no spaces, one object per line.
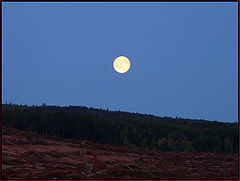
{"x":102,"y":112}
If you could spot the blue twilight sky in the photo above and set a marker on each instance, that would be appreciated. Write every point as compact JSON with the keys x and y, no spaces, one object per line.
{"x":183,"y":55}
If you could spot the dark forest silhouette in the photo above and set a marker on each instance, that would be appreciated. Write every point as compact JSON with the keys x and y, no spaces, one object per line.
{"x":123,"y":129}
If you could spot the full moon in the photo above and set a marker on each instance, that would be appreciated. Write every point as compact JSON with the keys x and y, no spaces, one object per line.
{"x":121,"y":64}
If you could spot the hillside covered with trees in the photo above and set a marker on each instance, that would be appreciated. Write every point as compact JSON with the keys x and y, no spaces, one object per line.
{"x":123,"y":129}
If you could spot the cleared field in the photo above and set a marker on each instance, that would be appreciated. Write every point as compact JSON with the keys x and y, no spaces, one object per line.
{"x":26,"y":155}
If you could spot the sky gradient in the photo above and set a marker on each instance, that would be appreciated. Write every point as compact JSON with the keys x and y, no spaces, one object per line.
{"x":184,"y":57}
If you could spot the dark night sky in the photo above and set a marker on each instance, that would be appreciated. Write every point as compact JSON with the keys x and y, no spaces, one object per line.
{"x":183,"y":55}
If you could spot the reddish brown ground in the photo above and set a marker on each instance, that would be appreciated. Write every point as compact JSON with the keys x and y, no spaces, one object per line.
{"x":30,"y":156}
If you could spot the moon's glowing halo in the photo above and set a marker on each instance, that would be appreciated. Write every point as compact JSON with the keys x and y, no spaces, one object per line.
{"x":121,"y":64}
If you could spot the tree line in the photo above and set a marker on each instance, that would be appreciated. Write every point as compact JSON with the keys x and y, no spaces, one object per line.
{"x":123,"y":129}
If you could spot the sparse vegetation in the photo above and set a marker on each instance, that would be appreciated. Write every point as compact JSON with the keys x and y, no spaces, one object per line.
{"x":67,"y":159}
